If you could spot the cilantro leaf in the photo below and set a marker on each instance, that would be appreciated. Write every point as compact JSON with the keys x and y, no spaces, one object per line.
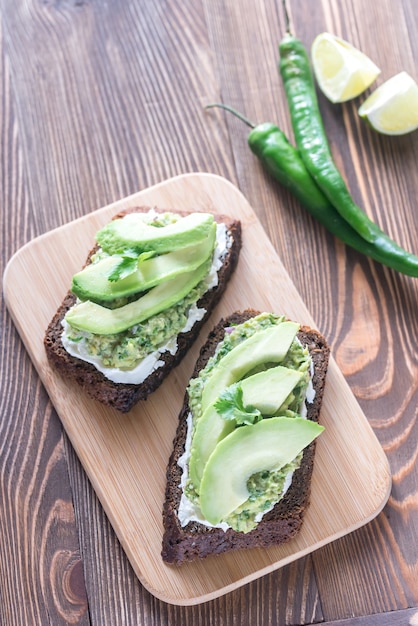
{"x":128,"y":264}
{"x":230,"y":406}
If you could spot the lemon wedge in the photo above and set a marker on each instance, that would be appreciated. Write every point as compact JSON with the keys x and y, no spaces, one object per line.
{"x":392,"y":109}
{"x":342,"y":71}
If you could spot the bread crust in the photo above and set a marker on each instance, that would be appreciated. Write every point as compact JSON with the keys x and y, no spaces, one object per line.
{"x":279,"y":525}
{"x":121,"y":396}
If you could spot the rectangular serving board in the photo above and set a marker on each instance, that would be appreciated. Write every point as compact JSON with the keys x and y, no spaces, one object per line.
{"x":125,"y":456}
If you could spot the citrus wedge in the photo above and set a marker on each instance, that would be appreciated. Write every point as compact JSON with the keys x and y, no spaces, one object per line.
{"x":342,"y":71}
{"x":392,"y":109}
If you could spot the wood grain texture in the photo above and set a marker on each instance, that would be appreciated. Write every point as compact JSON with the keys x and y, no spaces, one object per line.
{"x":101,"y":99}
{"x":40,"y":563}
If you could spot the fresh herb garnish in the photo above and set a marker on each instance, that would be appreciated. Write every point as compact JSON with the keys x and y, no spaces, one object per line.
{"x":128,"y":264}
{"x":230,"y":405}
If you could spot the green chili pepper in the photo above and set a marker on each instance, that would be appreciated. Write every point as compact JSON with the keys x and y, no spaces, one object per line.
{"x":284,"y":163}
{"x":314,"y":149}
{"x":310,"y":135}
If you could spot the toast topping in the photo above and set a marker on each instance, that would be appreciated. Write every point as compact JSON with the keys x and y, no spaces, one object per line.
{"x":122,"y":275}
{"x":269,"y":445}
{"x":91,"y":317}
{"x":244,"y":402}
{"x":134,"y":233}
{"x":244,"y":445}
{"x":124,"y":337}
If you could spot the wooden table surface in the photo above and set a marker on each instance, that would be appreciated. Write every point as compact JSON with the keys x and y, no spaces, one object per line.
{"x":101,"y":99}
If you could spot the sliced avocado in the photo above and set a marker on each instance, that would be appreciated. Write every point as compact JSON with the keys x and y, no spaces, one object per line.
{"x":210,"y":429}
{"x":92,"y":283}
{"x":133,"y":233}
{"x":91,"y":317}
{"x":267,"y":445}
{"x":265,"y":346}
{"x":266,"y":391}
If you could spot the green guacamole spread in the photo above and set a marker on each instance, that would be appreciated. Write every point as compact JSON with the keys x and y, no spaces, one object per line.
{"x":266,"y":490}
{"x":266,"y":487}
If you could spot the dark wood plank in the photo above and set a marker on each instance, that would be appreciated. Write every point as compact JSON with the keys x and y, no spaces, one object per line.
{"x":100,"y":100}
{"x":117,"y":86}
{"x":41,"y":576}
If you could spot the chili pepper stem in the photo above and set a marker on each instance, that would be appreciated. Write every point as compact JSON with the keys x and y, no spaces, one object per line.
{"x":237,"y":114}
{"x":286,"y":17}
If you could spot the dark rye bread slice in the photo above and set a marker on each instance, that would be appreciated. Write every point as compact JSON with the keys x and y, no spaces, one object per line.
{"x":124,"y":396}
{"x":285,"y":519}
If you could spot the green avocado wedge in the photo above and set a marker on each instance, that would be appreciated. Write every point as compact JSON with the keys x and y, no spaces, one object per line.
{"x":266,"y":346}
{"x":268,"y":390}
{"x":268,"y":445}
{"x":93,"y":318}
{"x":265,"y":391}
{"x":92,"y":283}
{"x":133,"y":233}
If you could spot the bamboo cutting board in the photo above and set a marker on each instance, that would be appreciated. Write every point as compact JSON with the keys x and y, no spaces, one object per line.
{"x":125,"y":456}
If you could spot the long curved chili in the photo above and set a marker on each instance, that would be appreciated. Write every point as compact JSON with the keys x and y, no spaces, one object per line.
{"x":310,"y":135}
{"x":284,"y":163}
{"x":314,"y":149}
